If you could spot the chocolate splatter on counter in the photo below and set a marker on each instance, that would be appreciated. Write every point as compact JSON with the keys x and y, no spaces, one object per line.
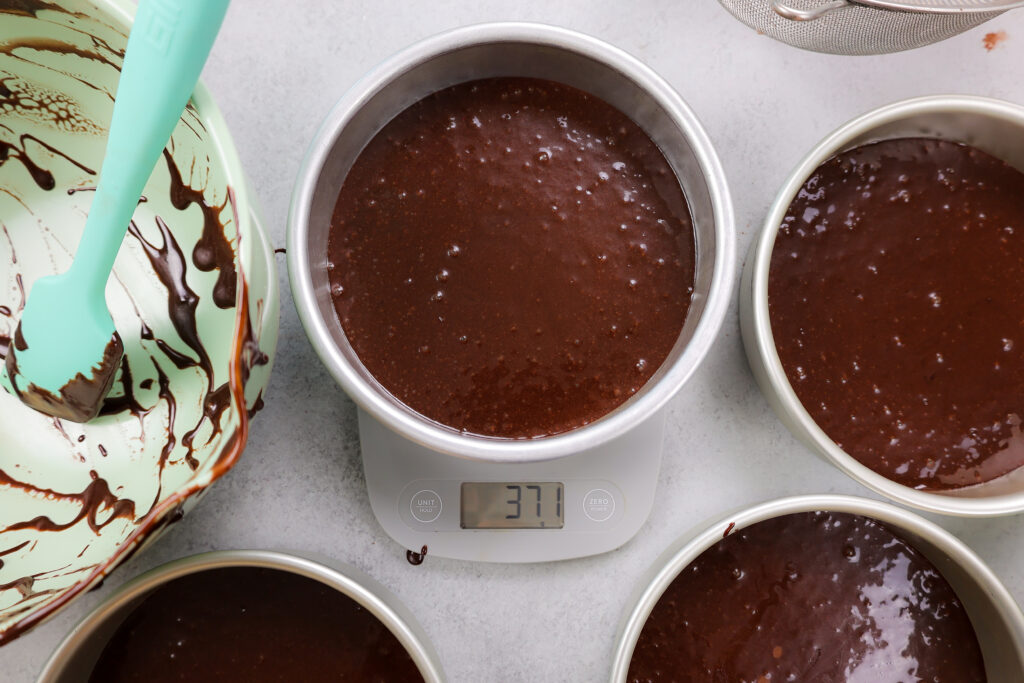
{"x":890,"y":284}
{"x":416,"y":558}
{"x":814,"y":596}
{"x":993,"y":40}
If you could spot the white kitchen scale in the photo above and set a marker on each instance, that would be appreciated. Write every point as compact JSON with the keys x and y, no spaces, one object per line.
{"x":581,"y":504}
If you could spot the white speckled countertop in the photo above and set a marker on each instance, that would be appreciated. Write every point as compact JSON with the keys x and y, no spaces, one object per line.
{"x":276,"y":70}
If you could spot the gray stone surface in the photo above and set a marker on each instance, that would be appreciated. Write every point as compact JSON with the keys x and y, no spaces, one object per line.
{"x":276,"y":70}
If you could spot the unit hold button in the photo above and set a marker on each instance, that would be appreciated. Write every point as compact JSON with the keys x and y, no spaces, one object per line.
{"x":425,"y":506}
{"x":599,"y":505}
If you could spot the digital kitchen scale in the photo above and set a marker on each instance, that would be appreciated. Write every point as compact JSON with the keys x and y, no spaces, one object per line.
{"x":577,"y":505}
{"x":469,"y":497}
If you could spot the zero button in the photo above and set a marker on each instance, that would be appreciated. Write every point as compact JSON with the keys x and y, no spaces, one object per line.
{"x":599,"y":505}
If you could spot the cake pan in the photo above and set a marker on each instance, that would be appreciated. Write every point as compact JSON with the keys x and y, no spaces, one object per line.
{"x":996,"y":617}
{"x":994,"y":126}
{"x":78,"y":653}
{"x":510,"y":49}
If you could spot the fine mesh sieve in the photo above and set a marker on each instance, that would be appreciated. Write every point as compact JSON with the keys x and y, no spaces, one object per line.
{"x":863,"y":27}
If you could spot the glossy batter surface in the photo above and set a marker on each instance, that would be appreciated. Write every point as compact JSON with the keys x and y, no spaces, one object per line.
{"x":251,"y":624}
{"x":823,"y":597}
{"x":897,"y":307}
{"x":511,"y":257}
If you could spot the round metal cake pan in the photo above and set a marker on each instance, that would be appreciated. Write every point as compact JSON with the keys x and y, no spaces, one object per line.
{"x":528,"y":50}
{"x":995,"y":616}
{"x":994,"y":126}
{"x":78,"y":653}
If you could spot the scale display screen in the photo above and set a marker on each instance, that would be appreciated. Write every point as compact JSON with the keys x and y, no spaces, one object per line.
{"x":513,"y":505}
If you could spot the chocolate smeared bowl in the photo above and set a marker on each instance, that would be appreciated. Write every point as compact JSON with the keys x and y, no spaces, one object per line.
{"x":527,"y":51}
{"x":996,"y":619}
{"x":193,"y":295}
{"x":372,"y":636}
{"x":988,"y":452}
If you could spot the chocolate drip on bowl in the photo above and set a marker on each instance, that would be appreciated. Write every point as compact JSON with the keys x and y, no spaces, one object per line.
{"x":96,"y":497}
{"x":126,"y":401}
{"x":42,"y":177}
{"x":213,"y":251}
{"x":29,"y":8}
{"x":168,"y":263}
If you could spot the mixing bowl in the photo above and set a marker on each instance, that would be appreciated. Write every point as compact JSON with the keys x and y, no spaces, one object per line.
{"x":76,"y":656}
{"x":527,"y":50}
{"x":193,"y":295}
{"x":995,"y":616}
{"x":991,"y":125}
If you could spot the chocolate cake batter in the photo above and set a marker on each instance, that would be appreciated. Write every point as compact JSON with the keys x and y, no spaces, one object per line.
{"x":511,"y":257}
{"x":251,"y":624}
{"x":897,"y":307}
{"x":817,"y":596}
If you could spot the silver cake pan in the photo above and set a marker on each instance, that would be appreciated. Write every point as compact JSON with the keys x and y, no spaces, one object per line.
{"x":78,"y":653}
{"x":993,"y":126}
{"x":528,"y":50}
{"x":996,"y":617}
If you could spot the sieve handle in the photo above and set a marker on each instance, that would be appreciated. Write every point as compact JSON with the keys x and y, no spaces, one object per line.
{"x":789,"y":12}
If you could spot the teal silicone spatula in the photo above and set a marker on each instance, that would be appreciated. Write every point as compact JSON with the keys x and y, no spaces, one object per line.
{"x":66,"y":351}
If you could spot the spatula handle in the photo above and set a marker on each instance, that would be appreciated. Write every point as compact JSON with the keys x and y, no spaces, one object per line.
{"x":167,"y":48}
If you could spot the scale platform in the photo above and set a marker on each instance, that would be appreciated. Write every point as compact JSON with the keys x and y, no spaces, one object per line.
{"x":578,"y":505}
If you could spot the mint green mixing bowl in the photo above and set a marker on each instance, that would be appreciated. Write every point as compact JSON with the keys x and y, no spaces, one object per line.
{"x":193,"y":295}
